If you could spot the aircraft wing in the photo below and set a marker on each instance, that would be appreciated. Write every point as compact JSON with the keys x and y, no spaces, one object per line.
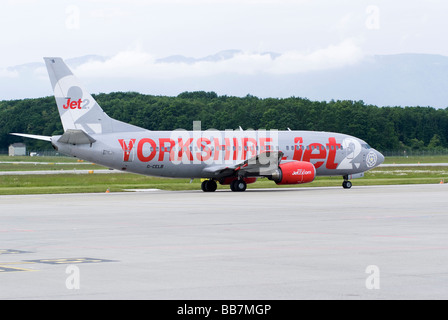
{"x":219,"y":171}
{"x":263,"y":164}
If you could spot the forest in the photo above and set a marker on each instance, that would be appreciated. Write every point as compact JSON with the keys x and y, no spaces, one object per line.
{"x":384,"y":128}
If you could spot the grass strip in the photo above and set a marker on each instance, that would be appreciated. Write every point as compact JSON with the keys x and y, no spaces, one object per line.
{"x":74,"y":183}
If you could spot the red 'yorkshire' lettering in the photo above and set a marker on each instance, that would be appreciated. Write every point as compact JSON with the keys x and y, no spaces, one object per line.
{"x":244,"y":148}
{"x":164,"y":149}
{"x":203,"y":147}
{"x":220,"y":147}
{"x":140,"y":155}
{"x":72,"y":104}
{"x":235,"y":148}
{"x":127,"y":147}
{"x":185,"y":148}
{"x":263,"y":144}
{"x":251,"y":148}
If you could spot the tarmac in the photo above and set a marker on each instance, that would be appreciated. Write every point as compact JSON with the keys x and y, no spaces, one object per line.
{"x":379,"y":242}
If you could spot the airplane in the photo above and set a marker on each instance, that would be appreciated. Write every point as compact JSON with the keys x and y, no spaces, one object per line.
{"x":231,"y":157}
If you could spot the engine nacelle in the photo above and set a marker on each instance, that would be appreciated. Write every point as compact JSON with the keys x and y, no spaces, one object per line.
{"x":295,"y":172}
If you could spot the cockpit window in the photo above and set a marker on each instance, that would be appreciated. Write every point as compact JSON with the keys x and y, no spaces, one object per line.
{"x":365,"y":145}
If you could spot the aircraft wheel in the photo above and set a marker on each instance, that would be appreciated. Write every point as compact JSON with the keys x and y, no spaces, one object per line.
{"x":347,"y":184}
{"x":238,"y":185}
{"x":212,"y":185}
{"x":209,"y":186}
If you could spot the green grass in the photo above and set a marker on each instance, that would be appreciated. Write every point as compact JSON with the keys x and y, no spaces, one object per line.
{"x":24,"y":166}
{"x":417,"y":159}
{"x":74,"y":183}
{"x":45,"y":163}
{"x":38,"y":159}
{"x":117,"y":182}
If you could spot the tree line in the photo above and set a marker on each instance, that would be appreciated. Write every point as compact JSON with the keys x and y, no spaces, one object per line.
{"x":384,"y":128}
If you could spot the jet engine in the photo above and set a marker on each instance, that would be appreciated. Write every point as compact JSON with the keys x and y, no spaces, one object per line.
{"x":294,"y":172}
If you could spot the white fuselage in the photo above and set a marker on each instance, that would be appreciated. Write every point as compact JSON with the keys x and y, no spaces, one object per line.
{"x":187,"y":153}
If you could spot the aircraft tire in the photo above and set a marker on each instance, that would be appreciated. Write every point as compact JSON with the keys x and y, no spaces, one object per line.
{"x":212,"y":186}
{"x":238,"y":185}
{"x":209,"y":186}
{"x":347,"y":184}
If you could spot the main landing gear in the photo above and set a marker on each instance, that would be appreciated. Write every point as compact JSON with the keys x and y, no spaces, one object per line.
{"x":236,"y":185}
{"x":209,"y":186}
{"x":346,"y":184}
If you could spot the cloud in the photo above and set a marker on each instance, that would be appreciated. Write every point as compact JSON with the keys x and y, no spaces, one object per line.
{"x":109,"y":13}
{"x":139,"y":64}
{"x":5,"y":73}
{"x":123,"y":64}
{"x":334,"y":56}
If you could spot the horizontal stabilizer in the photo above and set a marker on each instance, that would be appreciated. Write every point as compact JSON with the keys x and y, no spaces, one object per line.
{"x":32,"y":136}
{"x":75,"y":136}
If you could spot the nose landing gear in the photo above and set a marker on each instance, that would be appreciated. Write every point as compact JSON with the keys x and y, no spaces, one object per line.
{"x":346,"y":184}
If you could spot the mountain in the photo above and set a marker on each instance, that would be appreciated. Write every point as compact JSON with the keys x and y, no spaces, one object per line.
{"x":222,"y":55}
{"x":383,"y":80}
{"x":386,"y":80}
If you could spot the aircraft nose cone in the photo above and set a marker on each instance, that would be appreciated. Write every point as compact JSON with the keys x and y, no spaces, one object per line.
{"x":380,"y":158}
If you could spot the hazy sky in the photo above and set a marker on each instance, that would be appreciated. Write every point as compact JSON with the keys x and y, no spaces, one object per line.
{"x":31,"y":29}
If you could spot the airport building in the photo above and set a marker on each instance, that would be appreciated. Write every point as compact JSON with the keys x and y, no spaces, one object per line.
{"x":17,"y":149}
